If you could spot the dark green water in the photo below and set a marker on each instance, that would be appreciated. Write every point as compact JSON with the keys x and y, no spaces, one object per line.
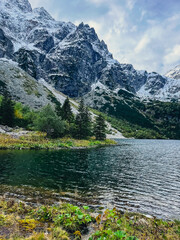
{"x":137,"y":175}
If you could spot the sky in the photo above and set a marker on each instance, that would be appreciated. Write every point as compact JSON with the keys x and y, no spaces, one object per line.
{"x":145,"y":33}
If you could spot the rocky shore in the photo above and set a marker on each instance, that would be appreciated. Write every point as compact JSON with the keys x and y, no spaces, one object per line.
{"x":21,"y":220}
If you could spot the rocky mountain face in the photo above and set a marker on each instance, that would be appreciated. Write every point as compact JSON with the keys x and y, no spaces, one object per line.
{"x":71,"y":58}
{"x":27,"y":90}
{"x":22,"y":86}
{"x":174,"y":73}
{"x":35,"y":94}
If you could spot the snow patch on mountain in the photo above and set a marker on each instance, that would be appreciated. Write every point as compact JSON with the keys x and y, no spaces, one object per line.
{"x":99,"y":85}
{"x":72,"y":58}
{"x":174,"y":73}
{"x":170,"y":91}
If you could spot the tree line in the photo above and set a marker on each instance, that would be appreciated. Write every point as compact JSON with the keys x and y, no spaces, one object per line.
{"x":56,"y":121}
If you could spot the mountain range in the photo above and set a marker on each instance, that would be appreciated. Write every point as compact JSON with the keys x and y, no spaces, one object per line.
{"x":73,"y":60}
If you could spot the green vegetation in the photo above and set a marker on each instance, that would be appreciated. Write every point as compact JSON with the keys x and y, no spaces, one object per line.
{"x":65,"y":221}
{"x":7,"y":110}
{"x":137,"y":119}
{"x":100,"y":127}
{"x":30,"y":87}
{"x":66,"y":111}
{"x":38,"y":140}
{"x":166,"y":116}
{"x":130,"y":130}
{"x":83,"y":122}
{"x":48,"y":121}
{"x":58,"y":122}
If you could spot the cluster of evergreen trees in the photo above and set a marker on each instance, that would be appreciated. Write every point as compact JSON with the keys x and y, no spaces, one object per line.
{"x":56,"y":122}
{"x":7,"y":116}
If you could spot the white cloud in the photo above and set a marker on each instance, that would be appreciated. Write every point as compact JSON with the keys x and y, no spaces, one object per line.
{"x":130,"y":4}
{"x":37,"y":3}
{"x":143,"y":13}
{"x":95,"y":25}
{"x":99,"y":2}
{"x":173,"y":56}
{"x":142,"y":44}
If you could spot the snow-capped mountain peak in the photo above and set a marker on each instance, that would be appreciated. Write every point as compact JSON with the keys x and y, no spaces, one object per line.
{"x":71,"y":58}
{"x":174,"y":73}
{"x":22,"y":5}
{"x":42,"y":14}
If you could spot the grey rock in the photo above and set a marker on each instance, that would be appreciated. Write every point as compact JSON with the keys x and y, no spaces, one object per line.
{"x":72,"y":59}
{"x":22,"y":87}
{"x":6,"y":46}
{"x":174,"y":73}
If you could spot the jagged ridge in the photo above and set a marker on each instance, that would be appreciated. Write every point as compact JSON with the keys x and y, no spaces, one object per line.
{"x":70,"y":58}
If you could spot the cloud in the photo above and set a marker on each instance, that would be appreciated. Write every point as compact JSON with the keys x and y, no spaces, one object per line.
{"x":173,"y":56}
{"x":142,"y":43}
{"x":143,"y":13}
{"x":100,"y":2}
{"x":95,"y":25}
{"x":130,"y":4}
{"x":37,"y":3}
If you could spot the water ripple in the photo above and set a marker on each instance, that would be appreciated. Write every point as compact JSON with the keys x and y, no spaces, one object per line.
{"x":136,"y":175}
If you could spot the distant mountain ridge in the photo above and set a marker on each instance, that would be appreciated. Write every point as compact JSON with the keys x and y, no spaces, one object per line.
{"x":174,"y":73}
{"x":72,"y":58}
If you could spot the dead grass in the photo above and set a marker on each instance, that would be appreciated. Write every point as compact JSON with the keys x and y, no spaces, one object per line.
{"x":37,"y":140}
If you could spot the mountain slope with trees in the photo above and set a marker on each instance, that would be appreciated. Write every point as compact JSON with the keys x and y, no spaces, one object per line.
{"x":51,"y":53}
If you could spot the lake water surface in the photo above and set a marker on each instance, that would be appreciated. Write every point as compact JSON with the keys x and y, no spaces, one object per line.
{"x":136,"y":175}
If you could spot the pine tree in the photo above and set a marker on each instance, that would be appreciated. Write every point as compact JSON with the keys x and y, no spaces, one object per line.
{"x":100,"y":128}
{"x":67,"y":111}
{"x":58,"y":110}
{"x":88,"y":123}
{"x":83,"y":122}
{"x":7,"y":110}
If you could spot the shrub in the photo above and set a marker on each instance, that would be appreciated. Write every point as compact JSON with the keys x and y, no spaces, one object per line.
{"x":48,"y":121}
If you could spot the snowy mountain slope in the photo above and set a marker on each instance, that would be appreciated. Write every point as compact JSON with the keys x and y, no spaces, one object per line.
{"x":71,"y":58}
{"x":174,"y":73}
{"x":160,"y":88}
{"x":27,"y":28}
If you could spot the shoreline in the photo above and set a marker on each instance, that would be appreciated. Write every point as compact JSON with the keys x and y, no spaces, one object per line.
{"x":47,"y":196}
{"x":19,"y":220}
{"x":38,"y":141}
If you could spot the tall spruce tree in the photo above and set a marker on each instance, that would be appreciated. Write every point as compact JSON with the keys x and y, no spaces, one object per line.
{"x":7,"y":110}
{"x":58,"y":110}
{"x":83,"y":122}
{"x":100,"y":128}
{"x":67,"y":113}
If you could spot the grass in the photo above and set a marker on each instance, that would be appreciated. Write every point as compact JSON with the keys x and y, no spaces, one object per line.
{"x":65,"y":221}
{"x":144,"y":120}
{"x":131,"y":130}
{"x":38,"y":140}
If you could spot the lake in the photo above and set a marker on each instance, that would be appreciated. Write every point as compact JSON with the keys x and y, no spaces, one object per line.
{"x":137,"y":175}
